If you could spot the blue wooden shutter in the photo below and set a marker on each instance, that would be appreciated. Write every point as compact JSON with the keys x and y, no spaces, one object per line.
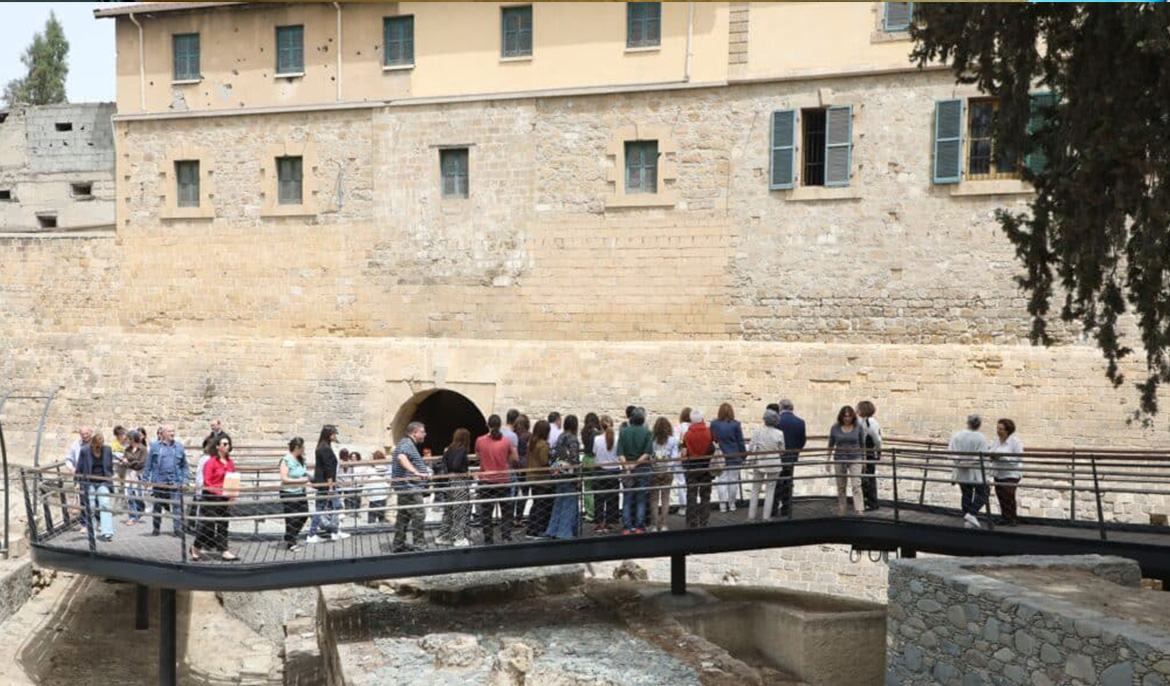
{"x":948,"y":141}
{"x":838,"y":145}
{"x":1039,"y":105}
{"x":783,"y":172}
{"x":186,"y":56}
{"x":897,"y":16}
{"x":290,"y":49}
{"x":398,"y":41}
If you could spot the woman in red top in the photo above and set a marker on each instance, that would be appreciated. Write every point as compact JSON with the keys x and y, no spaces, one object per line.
{"x":496,"y":456}
{"x":213,"y":527}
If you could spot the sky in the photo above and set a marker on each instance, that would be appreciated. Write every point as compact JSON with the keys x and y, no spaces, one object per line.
{"x":91,"y":46}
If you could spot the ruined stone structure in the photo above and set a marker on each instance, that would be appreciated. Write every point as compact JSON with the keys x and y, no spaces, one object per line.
{"x":1024,"y":620}
{"x":57,"y":168}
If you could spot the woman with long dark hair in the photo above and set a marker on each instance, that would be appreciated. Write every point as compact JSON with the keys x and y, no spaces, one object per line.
{"x":538,"y":476}
{"x":565,"y":521}
{"x":294,"y":475}
{"x":456,"y":511}
{"x":325,"y":481}
{"x":589,"y":431}
{"x":214,"y":510}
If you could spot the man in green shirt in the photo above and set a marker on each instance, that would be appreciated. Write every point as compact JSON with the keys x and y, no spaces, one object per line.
{"x":635,"y":447}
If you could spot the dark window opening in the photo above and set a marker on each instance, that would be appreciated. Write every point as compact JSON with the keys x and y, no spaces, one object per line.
{"x":81,"y":190}
{"x":290,"y":178}
{"x":47,"y":221}
{"x":187,"y":180}
{"x":813,"y":147}
{"x":6,"y":195}
{"x":453,"y":168}
{"x":64,"y":126}
{"x":3,"y":117}
{"x":641,"y":167}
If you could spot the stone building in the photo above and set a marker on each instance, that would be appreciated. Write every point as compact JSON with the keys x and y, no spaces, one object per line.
{"x":57,"y":167}
{"x":364,"y":213}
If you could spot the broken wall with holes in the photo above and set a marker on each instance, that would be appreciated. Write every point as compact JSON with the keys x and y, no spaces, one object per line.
{"x":56,"y":167}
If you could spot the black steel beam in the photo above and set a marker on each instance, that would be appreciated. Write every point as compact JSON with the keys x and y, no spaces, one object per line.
{"x":141,"y":607}
{"x":168,"y":658}
{"x":678,"y":574}
{"x":873,"y":533}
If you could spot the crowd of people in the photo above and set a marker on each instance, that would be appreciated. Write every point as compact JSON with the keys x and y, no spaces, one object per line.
{"x":543,"y":479}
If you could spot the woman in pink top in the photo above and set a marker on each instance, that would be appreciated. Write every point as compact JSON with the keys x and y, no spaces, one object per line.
{"x":213,"y":525}
{"x":496,"y":456}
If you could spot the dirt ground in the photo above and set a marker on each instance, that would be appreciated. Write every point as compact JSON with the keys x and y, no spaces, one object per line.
{"x":80,"y":632}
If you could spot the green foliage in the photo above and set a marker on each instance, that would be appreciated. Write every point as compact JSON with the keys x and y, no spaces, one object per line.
{"x":47,"y":61}
{"x":1099,"y":226}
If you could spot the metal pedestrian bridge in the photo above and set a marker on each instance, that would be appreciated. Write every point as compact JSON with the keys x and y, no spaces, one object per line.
{"x":1107,"y":502}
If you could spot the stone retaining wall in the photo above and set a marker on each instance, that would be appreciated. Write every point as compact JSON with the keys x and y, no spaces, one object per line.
{"x":957,"y":622}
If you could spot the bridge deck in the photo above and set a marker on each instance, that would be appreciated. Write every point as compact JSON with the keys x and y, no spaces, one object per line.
{"x":136,"y":555}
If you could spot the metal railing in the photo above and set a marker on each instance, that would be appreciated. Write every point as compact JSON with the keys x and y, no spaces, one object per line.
{"x":366,"y":513}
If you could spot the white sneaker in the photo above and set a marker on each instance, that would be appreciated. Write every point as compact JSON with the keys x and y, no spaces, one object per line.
{"x":723,"y":507}
{"x":664,"y":528}
{"x":971,"y":521}
{"x":340,"y":536}
{"x":314,"y":539}
{"x":462,"y":543}
{"x":442,"y":541}
{"x":731,"y":507}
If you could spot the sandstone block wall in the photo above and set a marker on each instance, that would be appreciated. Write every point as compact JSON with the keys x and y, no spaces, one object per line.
{"x":951,"y":623}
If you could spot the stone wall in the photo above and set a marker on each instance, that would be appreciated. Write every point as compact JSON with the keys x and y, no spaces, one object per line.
{"x":537,"y":253}
{"x":46,"y":150}
{"x":1043,"y":621}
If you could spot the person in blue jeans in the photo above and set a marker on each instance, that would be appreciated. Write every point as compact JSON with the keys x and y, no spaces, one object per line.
{"x":166,"y":474}
{"x":95,"y":471}
{"x":635,"y":451}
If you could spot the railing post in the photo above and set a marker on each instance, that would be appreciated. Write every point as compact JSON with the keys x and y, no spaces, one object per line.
{"x":894,"y":468}
{"x":87,"y":512}
{"x":30,"y":509}
{"x":925,"y":473}
{"x":986,"y":491}
{"x":4,"y":466}
{"x":182,"y":523}
{"x":1097,"y":494}
{"x":1072,"y":507}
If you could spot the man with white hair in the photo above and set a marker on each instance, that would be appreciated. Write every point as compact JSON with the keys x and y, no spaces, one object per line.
{"x":167,"y":472}
{"x":968,"y":469}
{"x":84,"y":433}
{"x":698,"y":447}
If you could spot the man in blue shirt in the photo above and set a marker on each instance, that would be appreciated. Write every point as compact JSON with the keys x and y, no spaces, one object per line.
{"x":167,"y":472}
{"x":794,"y":440}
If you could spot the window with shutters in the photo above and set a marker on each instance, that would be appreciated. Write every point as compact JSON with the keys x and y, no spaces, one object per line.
{"x":398,"y":39}
{"x":516,"y":27}
{"x":643,"y":24}
{"x":896,"y":16}
{"x":187,"y":183}
{"x":454,"y":172}
{"x":826,"y":145}
{"x":641,"y":167}
{"x":985,"y":159}
{"x":290,"y":50}
{"x":290,"y":180}
{"x":186,"y":56}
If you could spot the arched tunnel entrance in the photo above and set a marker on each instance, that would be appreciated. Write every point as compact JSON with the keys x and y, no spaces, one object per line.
{"x":442,"y":412}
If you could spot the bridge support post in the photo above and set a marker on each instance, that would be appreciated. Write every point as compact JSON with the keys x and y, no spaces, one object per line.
{"x":678,"y":574}
{"x":909,"y":553}
{"x":141,"y":607}
{"x":167,"y":639}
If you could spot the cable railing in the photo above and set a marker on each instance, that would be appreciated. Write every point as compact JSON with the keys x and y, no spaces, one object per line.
{"x":367,"y":513}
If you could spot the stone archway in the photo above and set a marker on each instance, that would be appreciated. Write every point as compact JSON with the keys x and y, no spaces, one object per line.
{"x":443,"y":411}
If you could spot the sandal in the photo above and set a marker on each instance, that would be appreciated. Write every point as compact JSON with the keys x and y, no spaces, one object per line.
{"x":228,"y":556}
{"x":193,"y":553}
